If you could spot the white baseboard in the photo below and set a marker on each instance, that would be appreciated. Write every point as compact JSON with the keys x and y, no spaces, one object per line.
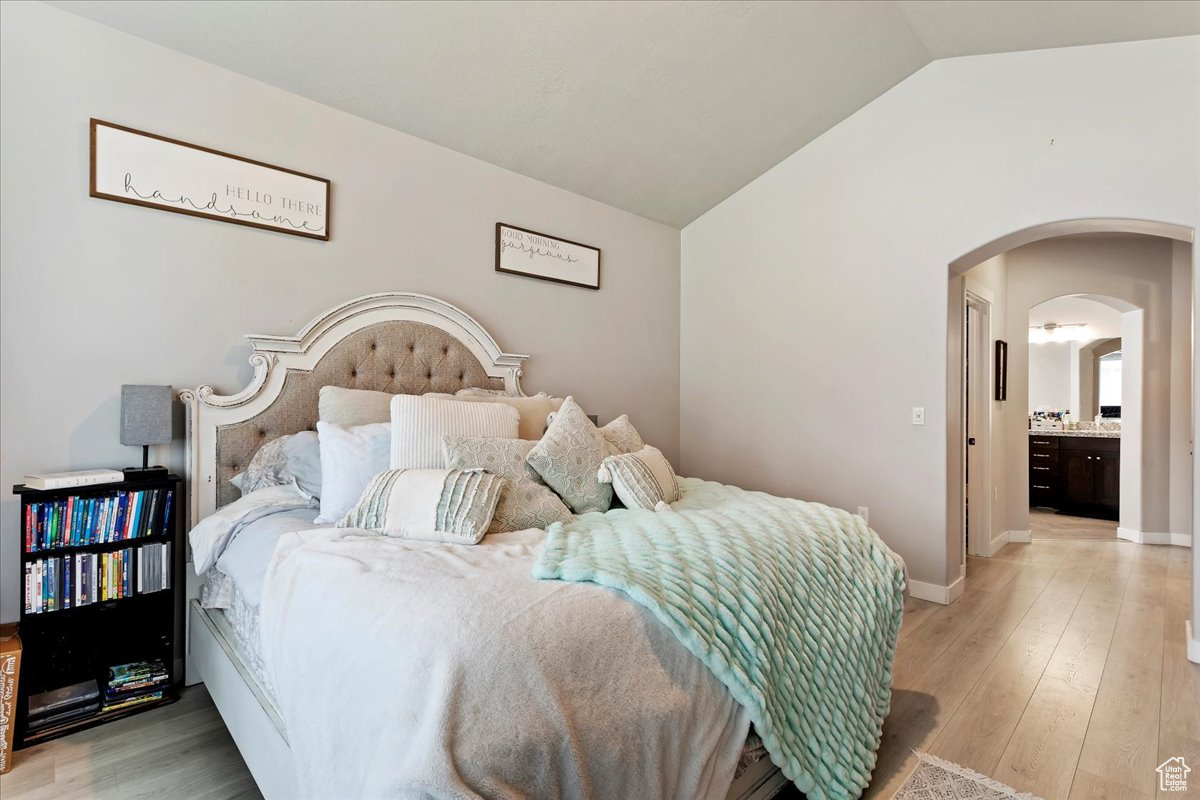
{"x":1142,"y":537}
{"x":1193,"y":644}
{"x":999,"y":541}
{"x":1022,"y":537}
{"x":935,"y":593}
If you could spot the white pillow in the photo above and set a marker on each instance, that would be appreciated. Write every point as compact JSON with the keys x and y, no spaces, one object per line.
{"x":420,"y":423}
{"x":353,"y":406}
{"x":534,"y":410}
{"x":351,"y":455}
{"x":435,"y":505}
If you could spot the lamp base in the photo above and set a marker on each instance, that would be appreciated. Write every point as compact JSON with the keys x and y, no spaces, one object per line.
{"x":135,"y":474}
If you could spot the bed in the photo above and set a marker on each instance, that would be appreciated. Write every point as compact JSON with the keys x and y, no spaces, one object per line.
{"x":594,"y":694}
{"x":394,"y":342}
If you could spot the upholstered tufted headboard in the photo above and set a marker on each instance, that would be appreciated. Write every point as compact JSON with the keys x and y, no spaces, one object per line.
{"x":398,"y":357}
{"x":394,"y":342}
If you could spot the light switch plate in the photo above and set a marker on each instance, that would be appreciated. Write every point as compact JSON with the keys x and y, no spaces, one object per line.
{"x":918,"y":415}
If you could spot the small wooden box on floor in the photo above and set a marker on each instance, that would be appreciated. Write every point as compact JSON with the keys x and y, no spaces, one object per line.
{"x":10,"y":671}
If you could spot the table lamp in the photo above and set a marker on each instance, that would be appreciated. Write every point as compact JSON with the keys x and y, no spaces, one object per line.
{"x":145,"y":420}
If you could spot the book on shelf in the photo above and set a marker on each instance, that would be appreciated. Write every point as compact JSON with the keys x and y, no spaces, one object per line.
{"x":58,"y":583}
{"x":47,"y":481}
{"x":99,"y":519}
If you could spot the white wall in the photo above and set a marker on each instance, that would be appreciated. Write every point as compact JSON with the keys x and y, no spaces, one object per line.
{"x":1050,"y":376}
{"x":95,"y":294}
{"x":814,"y":300}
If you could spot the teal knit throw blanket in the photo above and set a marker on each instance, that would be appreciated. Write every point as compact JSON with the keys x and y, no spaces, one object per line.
{"x":794,"y":606}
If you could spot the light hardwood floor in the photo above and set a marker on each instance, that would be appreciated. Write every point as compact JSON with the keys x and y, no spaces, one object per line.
{"x":1045,"y":524}
{"x":1060,"y":671}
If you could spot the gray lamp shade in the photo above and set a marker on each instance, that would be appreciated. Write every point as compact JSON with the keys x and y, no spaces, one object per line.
{"x":145,"y":415}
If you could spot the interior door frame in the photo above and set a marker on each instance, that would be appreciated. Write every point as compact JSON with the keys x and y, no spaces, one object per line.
{"x":977,"y":397}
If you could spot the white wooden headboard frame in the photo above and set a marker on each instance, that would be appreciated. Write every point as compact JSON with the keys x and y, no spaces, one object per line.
{"x":273,"y":357}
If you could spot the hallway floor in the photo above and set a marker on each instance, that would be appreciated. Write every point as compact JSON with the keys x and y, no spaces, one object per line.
{"x":1046,"y":524}
{"x":1062,"y":671}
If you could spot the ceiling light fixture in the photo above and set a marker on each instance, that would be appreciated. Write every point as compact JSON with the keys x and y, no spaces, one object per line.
{"x":1053,"y":332}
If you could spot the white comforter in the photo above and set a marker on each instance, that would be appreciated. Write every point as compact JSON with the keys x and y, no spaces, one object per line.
{"x":407,"y":669}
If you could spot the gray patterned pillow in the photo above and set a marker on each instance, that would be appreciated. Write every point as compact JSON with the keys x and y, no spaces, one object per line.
{"x":295,"y":458}
{"x":623,"y":437}
{"x":526,"y":501}
{"x":568,"y":457}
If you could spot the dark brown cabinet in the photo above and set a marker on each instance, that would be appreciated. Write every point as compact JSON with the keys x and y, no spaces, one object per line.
{"x":1075,"y":474}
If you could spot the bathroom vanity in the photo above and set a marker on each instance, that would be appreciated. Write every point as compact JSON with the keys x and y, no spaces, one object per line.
{"x":1076,"y":472}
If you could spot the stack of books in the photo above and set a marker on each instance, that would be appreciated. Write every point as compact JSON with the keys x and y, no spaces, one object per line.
{"x":60,"y":706}
{"x":134,"y":684}
{"x":115,"y":517}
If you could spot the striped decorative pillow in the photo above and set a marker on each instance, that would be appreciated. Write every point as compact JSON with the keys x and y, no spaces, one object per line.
{"x":434,"y":505}
{"x":642,"y":479}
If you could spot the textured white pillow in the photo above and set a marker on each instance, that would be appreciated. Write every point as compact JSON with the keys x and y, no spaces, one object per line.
{"x":351,"y":455}
{"x":642,"y":479}
{"x":353,"y":406}
{"x":434,"y":505}
{"x":420,"y":423}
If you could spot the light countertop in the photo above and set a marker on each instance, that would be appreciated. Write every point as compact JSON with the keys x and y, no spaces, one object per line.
{"x":1080,"y":434}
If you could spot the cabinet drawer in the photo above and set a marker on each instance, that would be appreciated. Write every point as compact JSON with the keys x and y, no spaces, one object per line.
{"x":1090,"y":444}
{"x":1043,"y":443}
{"x":1042,"y":456}
{"x":1042,"y":472}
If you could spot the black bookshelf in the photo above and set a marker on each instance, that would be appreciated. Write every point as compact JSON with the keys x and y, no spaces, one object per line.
{"x":69,"y":645}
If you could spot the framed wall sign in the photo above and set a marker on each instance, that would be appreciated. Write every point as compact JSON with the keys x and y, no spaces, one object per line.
{"x":144,"y":169}
{"x":536,"y":255}
{"x":1001,"y":381}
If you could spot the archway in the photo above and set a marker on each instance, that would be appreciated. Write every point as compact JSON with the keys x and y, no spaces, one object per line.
{"x":954,"y":417}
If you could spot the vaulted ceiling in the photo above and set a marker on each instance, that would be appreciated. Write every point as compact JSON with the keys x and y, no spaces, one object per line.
{"x":662,"y":108}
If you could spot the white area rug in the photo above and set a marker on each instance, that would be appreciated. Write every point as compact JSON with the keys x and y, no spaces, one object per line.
{"x":938,"y":779}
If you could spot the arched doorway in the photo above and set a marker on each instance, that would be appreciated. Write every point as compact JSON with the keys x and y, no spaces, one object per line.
{"x":958,"y":298}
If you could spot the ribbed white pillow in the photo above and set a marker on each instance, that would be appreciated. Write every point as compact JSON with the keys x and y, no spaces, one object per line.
{"x":420,"y":423}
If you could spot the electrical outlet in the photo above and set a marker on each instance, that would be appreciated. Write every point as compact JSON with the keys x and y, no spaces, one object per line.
{"x":995,"y":494}
{"x":865,"y":513}
{"x":918,"y":415}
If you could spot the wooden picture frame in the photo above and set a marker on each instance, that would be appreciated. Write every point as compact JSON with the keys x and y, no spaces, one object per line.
{"x":520,"y":251}
{"x":144,"y":169}
{"x":1001,"y":378}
